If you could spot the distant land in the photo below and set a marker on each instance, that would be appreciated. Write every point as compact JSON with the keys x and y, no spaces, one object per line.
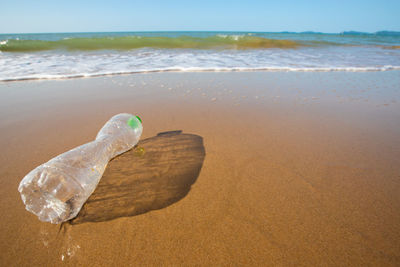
{"x":380,"y":33}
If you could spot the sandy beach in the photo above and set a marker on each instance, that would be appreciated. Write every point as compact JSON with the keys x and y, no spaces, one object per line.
{"x":299,"y":168}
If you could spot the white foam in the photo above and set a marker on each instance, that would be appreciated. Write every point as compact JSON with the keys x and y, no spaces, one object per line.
{"x":231,"y":36}
{"x":59,"y":65}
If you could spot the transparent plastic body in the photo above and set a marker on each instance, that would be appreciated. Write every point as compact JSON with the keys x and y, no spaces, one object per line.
{"x":56,"y":190}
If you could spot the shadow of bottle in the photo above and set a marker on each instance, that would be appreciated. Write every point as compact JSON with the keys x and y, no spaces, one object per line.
{"x":158,"y":172}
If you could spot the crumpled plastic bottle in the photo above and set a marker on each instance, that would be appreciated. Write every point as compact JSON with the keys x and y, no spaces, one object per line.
{"x":56,"y":190}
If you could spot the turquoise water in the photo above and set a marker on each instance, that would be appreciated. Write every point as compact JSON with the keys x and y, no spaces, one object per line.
{"x":62,"y":55}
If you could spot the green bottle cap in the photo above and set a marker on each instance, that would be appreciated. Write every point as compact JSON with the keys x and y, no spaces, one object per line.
{"x":133,"y":122}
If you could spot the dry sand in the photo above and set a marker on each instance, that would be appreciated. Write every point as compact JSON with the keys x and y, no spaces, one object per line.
{"x":299,"y":169}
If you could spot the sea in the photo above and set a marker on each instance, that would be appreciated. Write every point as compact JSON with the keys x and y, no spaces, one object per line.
{"x":73,"y":55}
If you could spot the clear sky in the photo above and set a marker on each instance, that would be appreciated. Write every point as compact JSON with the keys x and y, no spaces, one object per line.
{"x":27,"y":16}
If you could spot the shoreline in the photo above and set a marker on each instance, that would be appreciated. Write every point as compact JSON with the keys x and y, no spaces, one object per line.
{"x":193,"y":70}
{"x":299,"y":168}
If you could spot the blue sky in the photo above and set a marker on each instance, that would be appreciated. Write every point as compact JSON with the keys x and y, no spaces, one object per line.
{"x":27,"y":16}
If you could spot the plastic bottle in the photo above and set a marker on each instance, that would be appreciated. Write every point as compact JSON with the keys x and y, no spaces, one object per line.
{"x":56,"y":190}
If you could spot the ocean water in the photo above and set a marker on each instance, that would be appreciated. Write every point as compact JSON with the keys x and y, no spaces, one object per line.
{"x":67,"y":55}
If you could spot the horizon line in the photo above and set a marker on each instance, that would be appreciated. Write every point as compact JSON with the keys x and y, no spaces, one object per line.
{"x":164,"y":31}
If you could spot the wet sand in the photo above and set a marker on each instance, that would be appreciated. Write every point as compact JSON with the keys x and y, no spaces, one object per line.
{"x":298,"y":169}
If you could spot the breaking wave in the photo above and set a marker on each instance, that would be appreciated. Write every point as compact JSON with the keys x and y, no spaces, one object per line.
{"x":135,"y":42}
